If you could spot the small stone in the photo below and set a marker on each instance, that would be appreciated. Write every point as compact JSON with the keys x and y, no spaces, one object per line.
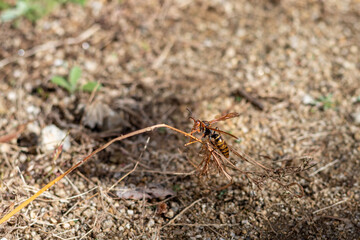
{"x":12,"y":96}
{"x":61,"y":192}
{"x":34,"y":127}
{"x":174,"y":206}
{"x":108,"y":224}
{"x":53,"y":220}
{"x":51,"y":136}
{"x":91,"y":66}
{"x":5,"y":148}
{"x":308,"y":100}
{"x":230,"y":52}
{"x":170,"y":214}
{"x":22,"y":158}
{"x":31,"y":109}
{"x":66,"y":225}
{"x":356,"y":117}
{"x":130,"y":212}
{"x":88,"y":213}
{"x":85,"y":45}
{"x":58,"y":62}
{"x":151,"y":223}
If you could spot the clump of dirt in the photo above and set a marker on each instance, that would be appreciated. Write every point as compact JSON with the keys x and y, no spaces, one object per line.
{"x":290,"y":68}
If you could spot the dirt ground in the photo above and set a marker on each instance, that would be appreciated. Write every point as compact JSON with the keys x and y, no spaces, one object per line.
{"x":299,"y":59}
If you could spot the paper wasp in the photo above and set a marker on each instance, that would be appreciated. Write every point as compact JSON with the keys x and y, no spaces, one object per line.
{"x":213,"y":134}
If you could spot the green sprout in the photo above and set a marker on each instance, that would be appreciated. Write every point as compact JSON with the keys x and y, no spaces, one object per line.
{"x":327,"y":102}
{"x":71,"y":85}
{"x":176,"y":187}
{"x":238,"y":99}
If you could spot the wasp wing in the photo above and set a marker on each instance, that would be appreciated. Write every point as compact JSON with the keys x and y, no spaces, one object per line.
{"x":217,"y":130}
{"x":225,"y":117}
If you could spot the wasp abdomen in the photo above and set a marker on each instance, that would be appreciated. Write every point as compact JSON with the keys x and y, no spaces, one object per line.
{"x":221,"y":145}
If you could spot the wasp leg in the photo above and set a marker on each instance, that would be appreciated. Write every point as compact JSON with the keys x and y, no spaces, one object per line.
{"x":191,"y":133}
{"x":190,"y":142}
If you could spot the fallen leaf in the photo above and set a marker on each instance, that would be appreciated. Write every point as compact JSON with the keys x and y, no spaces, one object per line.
{"x":148,"y":193}
{"x":95,"y":114}
{"x":10,"y":136}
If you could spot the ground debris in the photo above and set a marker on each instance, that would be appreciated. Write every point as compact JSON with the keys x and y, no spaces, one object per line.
{"x":144,"y":193}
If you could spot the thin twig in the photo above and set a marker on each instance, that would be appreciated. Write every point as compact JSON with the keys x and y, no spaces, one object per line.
{"x":118,"y":181}
{"x":184,"y":210}
{"x":333,"y":205}
{"x":324,"y":167}
{"x":250,"y":98}
{"x":47,"y":186}
{"x":161,"y":58}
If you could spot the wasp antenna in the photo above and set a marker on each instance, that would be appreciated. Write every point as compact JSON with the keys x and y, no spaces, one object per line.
{"x":190,"y":113}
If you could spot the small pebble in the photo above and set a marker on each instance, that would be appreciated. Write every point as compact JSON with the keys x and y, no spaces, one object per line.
{"x":88,"y":213}
{"x":31,"y":109}
{"x":356,"y":117}
{"x":91,"y":66}
{"x":151,"y":223}
{"x":12,"y":96}
{"x":51,"y":136}
{"x":66,"y":225}
{"x":108,"y":224}
{"x":308,"y":100}
{"x":170,"y":214}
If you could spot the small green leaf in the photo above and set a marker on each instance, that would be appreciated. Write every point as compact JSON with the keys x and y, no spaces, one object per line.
{"x":90,"y":86}
{"x":75,"y":74}
{"x":238,"y":99}
{"x":176,"y":187}
{"x":61,"y":82}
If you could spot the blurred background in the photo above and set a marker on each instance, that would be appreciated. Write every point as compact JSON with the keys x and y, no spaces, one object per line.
{"x":93,"y":70}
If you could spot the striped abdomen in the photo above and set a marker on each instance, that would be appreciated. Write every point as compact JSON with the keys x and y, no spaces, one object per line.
{"x":221,"y":144}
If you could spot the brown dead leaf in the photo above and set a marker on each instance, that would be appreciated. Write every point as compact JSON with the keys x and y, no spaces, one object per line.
{"x":141,"y":193}
{"x":10,"y":136}
{"x":95,"y":113}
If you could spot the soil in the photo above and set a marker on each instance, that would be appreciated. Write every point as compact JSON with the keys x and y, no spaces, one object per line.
{"x":291,"y":69}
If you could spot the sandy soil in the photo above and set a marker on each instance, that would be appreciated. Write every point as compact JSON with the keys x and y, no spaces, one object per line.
{"x":299,"y":59}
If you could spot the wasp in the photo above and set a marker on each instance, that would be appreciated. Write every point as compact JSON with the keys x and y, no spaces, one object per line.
{"x":213,"y":134}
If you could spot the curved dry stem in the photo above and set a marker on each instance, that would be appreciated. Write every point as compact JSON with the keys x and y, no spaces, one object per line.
{"x":50,"y":184}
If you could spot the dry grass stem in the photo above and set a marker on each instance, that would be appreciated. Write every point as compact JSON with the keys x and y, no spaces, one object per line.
{"x":182,"y":212}
{"x":148,"y":129}
{"x":331,"y":206}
